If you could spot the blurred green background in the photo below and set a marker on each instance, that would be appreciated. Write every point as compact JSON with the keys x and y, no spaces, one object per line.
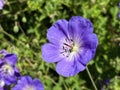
{"x":23,"y":27}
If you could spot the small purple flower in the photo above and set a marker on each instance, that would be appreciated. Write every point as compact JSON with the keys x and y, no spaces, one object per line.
{"x":27,"y":83}
{"x":103,"y":83}
{"x":1,"y":4}
{"x":8,"y":70}
{"x":118,"y":14}
{"x":72,"y":44}
{"x":119,"y":4}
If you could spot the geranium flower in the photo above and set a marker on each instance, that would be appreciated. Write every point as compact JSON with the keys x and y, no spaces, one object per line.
{"x":27,"y":83}
{"x":8,"y":69}
{"x":1,"y":4}
{"x":72,"y":45}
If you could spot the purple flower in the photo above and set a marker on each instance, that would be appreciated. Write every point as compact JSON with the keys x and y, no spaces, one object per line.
{"x":27,"y":83}
{"x":8,"y":70}
{"x":119,"y":4}
{"x":118,"y":14}
{"x":72,"y":44}
{"x":1,"y":4}
{"x":104,"y":83}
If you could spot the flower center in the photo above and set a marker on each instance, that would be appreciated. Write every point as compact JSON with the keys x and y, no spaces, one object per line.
{"x":28,"y":87}
{"x":69,"y":47}
{"x":7,"y":70}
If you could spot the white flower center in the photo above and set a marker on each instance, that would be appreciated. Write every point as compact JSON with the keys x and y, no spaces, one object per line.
{"x":28,"y":87}
{"x":7,"y":70}
{"x":69,"y":48}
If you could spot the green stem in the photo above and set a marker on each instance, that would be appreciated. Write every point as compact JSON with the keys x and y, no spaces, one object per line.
{"x":89,"y":74}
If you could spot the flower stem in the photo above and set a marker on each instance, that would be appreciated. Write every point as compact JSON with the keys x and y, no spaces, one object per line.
{"x":89,"y":74}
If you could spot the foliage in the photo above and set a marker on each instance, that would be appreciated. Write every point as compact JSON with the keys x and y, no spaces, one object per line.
{"x":23,"y":27}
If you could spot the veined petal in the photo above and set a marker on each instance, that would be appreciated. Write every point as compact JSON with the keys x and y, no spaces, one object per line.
{"x":11,"y":59}
{"x":25,"y":79}
{"x":10,"y":79}
{"x":1,"y":4}
{"x":89,"y":41}
{"x":27,"y":83}
{"x":58,"y":31}
{"x":38,"y":84}
{"x":86,"y":55}
{"x":69,"y":68}
{"x":80,"y":26}
{"x":50,"y":53}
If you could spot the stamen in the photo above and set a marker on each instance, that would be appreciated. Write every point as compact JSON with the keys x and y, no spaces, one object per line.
{"x":68,"y":47}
